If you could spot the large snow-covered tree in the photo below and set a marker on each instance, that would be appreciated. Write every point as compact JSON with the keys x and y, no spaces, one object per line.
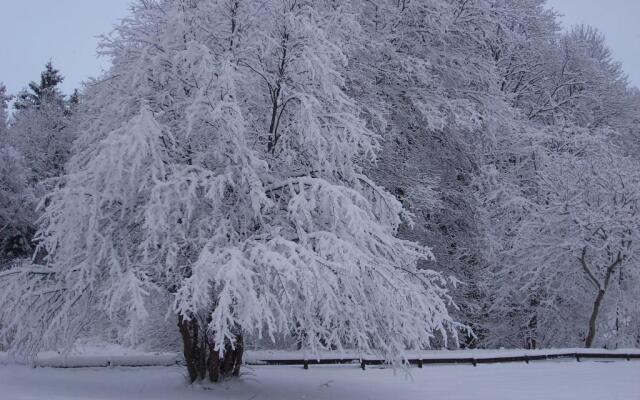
{"x":222,"y":164}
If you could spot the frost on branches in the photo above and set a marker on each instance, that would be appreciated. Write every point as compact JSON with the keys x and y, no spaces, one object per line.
{"x":221,"y":164}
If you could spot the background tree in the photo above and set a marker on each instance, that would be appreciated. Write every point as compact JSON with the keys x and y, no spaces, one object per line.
{"x":16,"y":196}
{"x":4,"y":105}
{"x":426,"y":84}
{"x":41,"y":130}
{"x":556,"y":83}
{"x":574,"y":241}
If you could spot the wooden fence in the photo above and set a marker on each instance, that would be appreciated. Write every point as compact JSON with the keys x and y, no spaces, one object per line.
{"x":419,"y":362}
{"x":169,"y":359}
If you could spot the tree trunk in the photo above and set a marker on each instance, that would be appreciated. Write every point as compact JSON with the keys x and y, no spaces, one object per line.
{"x":530,"y":341}
{"x":602,"y":289}
{"x":201,"y":358}
{"x":594,"y":317}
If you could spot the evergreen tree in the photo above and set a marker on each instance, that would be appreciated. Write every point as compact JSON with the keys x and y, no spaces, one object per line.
{"x":41,"y":130}
{"x":46,"y":90}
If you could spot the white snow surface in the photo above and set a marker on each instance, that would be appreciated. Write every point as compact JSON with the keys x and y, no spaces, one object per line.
{"x":519,"y":381}
{"x":559,"y":379}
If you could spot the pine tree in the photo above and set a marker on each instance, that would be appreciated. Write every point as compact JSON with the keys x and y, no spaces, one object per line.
{"x":46,"y":90}
{"x":41,"y":130}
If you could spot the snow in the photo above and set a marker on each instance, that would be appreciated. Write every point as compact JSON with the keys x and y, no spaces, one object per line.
{"x":544,"y":380}
{"x":99,"y":354}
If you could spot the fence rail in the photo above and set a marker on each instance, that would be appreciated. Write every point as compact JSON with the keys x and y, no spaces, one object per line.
{"x":419,"y":362}
{"x":169,"y":359}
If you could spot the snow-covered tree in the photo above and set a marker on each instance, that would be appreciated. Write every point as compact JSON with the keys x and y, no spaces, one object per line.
{"x":564,"y":87}
{"x":41,"y":129}
{"x":222,"y":164}
{"x":584,"y":234}
{"x":34,"y":148}
{"x":17,"y":204}
{"x":427,"y":85}
{"x":274,"y":170}
{"x":46,"y":90}
{"x":16,"y":196}
{"x":4,"y":105}
{"x":569,"y":234}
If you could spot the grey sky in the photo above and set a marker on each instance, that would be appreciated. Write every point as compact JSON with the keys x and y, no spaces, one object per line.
{"x":33,"y":31}
{"x":65,"y":31}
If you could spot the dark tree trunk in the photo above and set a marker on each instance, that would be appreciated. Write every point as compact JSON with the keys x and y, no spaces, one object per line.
{"x":532,"y":325}
{"x":602,"y":290}
{"x":201,"y":358}
{"x":594,"y":318}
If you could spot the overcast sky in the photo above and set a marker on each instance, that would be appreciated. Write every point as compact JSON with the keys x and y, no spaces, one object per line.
{"x":34,"y":31}
{"x":65,"y":31}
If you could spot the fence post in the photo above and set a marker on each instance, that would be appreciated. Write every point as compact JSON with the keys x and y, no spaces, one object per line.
{"x":363,"y":364}
{"x":306,"y":364}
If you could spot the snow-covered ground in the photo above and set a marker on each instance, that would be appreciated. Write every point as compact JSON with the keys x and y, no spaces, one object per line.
{"x":536,"y":381}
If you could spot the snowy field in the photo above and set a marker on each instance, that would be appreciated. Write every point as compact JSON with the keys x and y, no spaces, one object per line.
{"x":534,"y":381}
